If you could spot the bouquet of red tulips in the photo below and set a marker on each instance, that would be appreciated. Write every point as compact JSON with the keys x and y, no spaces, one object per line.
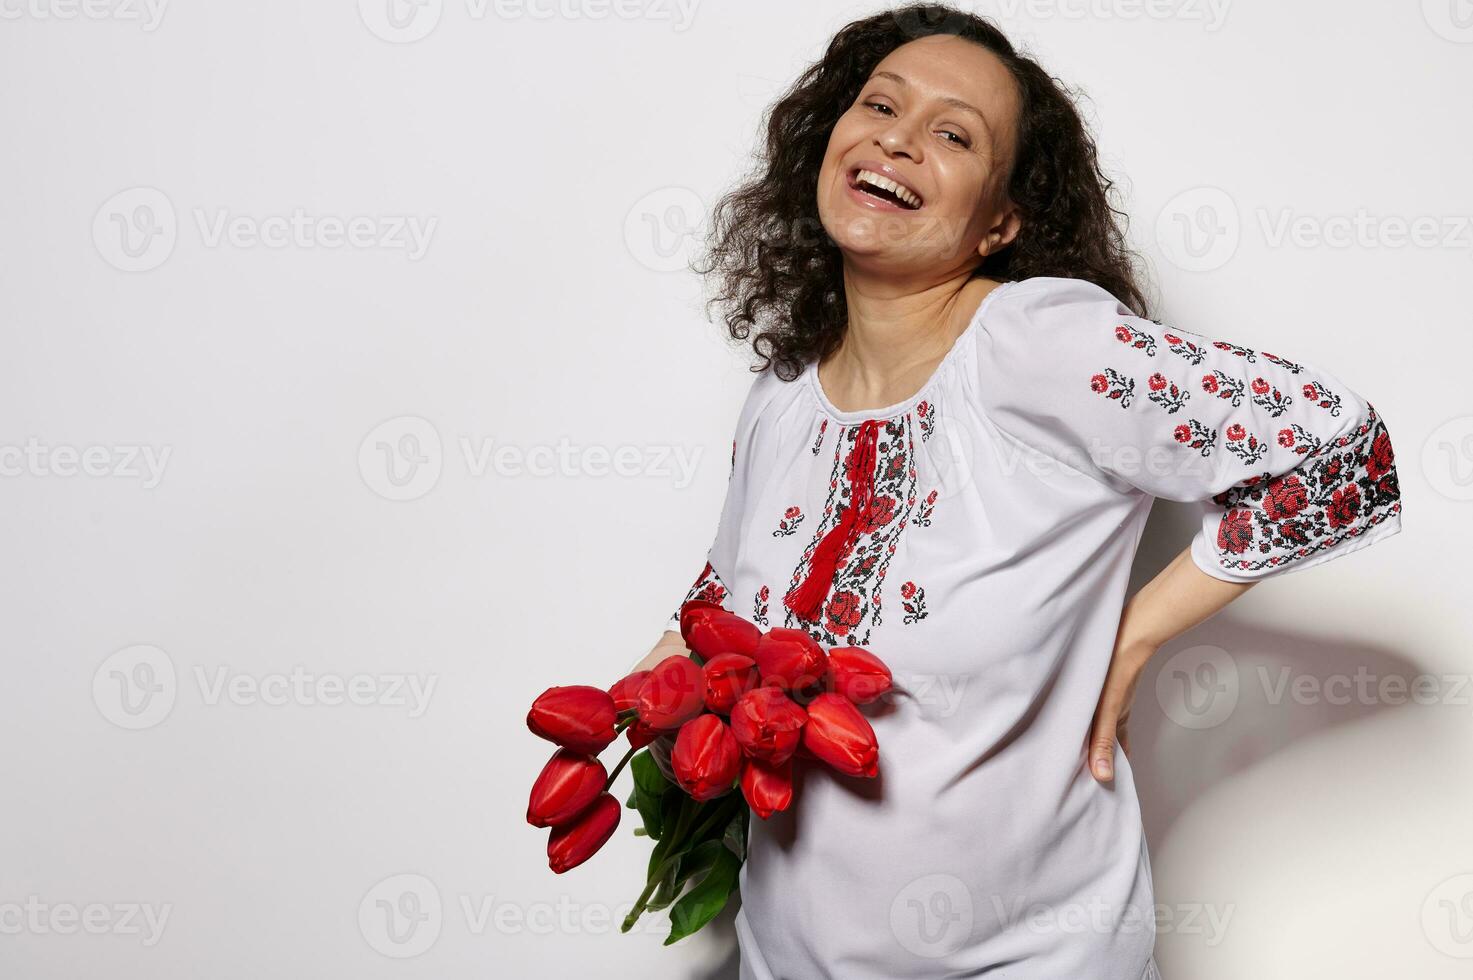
{"x":740,"y":707}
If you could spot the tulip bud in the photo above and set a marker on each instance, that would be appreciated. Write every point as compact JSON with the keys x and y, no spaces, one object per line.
{"x":790,"y":659}
{"x":858,"y":674}
{"x":695,"y":611}
{"x":567,"y":785}
{"x":674,"y":693}
{"x":768,"y":787}
{"x":713,"y":633}
{"x":640,"y":734}
{"x":842,"y":737}
{"x":706,"y":757}
{"x":728,"y":677}
{"x":625,"y":691}
{"x":578,"y":840}
{"x":577,"y":717}
{"x":767,"y":724}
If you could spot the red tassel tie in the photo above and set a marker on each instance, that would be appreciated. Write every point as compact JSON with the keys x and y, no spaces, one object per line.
{"x":806,"y":599}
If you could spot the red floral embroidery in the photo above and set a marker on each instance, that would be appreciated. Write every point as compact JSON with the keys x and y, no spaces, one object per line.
{"x":1196,"y":435}
{"x":1323,"y":397}
{"x":923,"y":512}
{"x":1224,"y":386}
{"x":759,"y":607}
{"x":1114,"y":385}
{"x":791,"y":518}
{"x":913,"y":600}
{"x":1166,"y":393}
{"x":1269,"y":398}
{"x":1137,"y":339}
{"x":852,"y":608}
{"x":1340,"y":490}
{"x":707,"y":586}
{"x":926,"y":419}
{"x":1185,"y":349}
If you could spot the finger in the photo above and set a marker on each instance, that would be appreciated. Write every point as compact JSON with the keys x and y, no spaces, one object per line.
{"x":1102,"y":746}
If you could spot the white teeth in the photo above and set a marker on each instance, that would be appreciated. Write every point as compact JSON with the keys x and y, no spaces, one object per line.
{"x":885,"y":183}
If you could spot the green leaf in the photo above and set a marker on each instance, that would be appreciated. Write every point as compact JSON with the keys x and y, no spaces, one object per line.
{"x":666,"y":891}
{"x":647,"y":774}
{"x":650,"y":789}
{"x":735,"y":837}
{"x":670,"y":806}
{"x":700,"y":905}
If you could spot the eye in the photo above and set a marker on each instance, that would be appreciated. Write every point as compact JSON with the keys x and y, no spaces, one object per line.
{"x":878,"y":105}
{"x":960,"y":139}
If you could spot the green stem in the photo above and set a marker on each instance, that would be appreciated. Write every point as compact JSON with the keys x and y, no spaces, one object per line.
{"x":722,"y":811}
{"x":622,"y":762}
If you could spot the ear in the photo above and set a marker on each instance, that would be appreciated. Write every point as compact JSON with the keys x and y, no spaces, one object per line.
{"x":1002,"y":232}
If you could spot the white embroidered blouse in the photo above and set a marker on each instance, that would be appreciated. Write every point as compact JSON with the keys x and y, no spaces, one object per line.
{"x":1002,"y":507}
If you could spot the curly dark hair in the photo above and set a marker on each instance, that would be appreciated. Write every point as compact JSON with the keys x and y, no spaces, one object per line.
{"x":778,"y":269}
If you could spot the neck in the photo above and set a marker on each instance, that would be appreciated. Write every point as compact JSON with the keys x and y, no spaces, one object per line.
{"x":895,"y":338}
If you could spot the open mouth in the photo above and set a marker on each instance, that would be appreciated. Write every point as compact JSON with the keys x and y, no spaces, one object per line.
{"x":882,"y":187}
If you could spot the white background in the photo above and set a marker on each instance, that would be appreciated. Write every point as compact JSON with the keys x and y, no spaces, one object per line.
{"x":556,"y":165}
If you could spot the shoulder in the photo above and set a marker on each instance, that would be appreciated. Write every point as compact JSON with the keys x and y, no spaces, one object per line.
{"x":1036,"y":327}
{"x":1052,"y":303}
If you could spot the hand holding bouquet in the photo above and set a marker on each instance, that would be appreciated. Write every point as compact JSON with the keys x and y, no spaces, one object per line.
{"x":735,"y":712}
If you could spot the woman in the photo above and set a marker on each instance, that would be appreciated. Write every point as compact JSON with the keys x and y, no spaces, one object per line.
{"x":948,"y":456}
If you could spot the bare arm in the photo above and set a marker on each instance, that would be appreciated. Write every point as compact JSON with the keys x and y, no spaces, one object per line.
{"x":670,"y":642}
{"x":1180,"y":597}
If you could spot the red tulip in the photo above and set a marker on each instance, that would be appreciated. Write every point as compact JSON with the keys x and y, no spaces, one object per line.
{"x":694,"y":611}
{"x":842,"y":737}
{"x":706,"y":757}
{"x":566,"y":786}
{"x":714,"y":632}
{"x":858,"y":674}
{"x":577,"y":717}
{"x":641,"y":734}
{"x":790,"y":659}
{"x":578,"y":840}
{"x":728,"y":677}
{"x":767,"y":724}
{"x":674,"y":693}
{"x":625,"y":691}
{"x":768,"y":787}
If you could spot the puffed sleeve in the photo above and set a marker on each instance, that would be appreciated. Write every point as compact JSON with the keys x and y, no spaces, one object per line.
{"x":710,"y":583}
{"x":1290,"y":467}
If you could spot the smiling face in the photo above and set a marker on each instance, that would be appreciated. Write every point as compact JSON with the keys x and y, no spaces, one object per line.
{"x":913,"y":180}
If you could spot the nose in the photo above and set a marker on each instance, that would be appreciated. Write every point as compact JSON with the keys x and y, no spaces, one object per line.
{"x":900,"y":139}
